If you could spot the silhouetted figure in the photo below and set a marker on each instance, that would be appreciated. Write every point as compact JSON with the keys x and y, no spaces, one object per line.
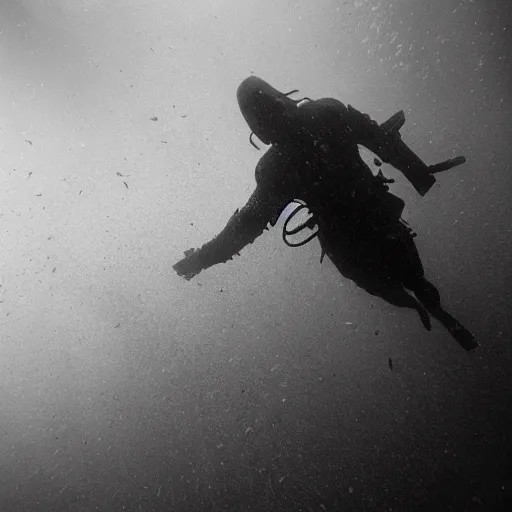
{"x":314,"y":158}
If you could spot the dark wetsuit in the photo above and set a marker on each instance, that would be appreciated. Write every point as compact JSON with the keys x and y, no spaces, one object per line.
{"x":358,"y":219}
{"x":316,"y":160}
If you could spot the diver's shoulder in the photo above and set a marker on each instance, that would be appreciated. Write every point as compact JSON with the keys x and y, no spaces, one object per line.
{"x":326,"y":111}
{"x":326,"y":105}
{"x":331,"y":103}
{"x":273,"y":162}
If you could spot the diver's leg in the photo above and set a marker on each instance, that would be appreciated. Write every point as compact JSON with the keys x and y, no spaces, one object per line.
{"x":426,"y":292}
{"x":394,"y":294}
{"x":457,"y":330}
{"x":404,"y":264}
{"x":429,"y":296}
{"x":374,"y":283}
{"x":398,"y":296}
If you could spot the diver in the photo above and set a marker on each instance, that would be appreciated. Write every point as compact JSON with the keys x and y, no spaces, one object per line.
{"x":314,"y":158}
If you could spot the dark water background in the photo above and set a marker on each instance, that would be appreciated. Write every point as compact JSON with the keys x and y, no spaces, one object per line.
{"x":264,"y":384}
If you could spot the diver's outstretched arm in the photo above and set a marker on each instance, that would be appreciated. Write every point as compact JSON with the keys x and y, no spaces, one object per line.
{"x":242,"y":229}
{"x":385,"y":141}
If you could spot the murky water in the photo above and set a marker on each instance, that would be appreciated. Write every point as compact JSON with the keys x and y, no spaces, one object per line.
{"x":270,"y":382}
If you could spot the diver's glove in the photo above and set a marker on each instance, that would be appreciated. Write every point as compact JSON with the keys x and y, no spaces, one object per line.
{"x":190,"y":265}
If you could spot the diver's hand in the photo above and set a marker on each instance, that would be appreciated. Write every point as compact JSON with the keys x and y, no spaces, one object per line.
{"x":190,"y":265}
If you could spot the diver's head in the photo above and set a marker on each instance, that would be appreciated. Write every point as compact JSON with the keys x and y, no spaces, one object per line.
{"x":269,"y":113}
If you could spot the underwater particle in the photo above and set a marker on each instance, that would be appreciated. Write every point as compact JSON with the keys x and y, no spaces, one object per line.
{"x":117,"y":325}
{"x":80,"y":193}
{"x":377,"y":332}
{"x":125,"y":184}
{"x":54,"y":269}
{"x":154,"y":118}
{"x":184,"y":115}
{"x":390,"y":363}
{"x":29,"y":142}
{"x":39,"y":195}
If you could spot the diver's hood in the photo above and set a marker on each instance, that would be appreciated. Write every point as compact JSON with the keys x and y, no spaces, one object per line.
{"x":267,"y":111}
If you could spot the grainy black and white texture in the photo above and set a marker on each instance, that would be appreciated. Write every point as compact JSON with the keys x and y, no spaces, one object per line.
{"x":268,"y":383}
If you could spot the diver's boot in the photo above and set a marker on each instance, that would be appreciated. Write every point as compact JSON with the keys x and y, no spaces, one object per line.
{"x":428,"y":295}
{"x":398,"y":296}
{"x":462,"y":335}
